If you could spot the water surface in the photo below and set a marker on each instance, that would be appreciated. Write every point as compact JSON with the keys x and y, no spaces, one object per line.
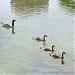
{"x":19,"y":54}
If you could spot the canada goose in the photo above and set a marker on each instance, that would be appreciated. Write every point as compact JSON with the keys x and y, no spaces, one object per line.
{"x":57,"y":55}
{"x":7,"y":25}
{"x":47,"y":48}
{"x":40,"y":38}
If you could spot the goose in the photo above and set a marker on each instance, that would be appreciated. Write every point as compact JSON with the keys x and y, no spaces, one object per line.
{"x":47,"y":48}
{"x":57,"y":55}
{"x":40,"y":38}
{"x":7,"y":25}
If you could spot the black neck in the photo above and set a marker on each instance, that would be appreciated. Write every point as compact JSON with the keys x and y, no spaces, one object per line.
{"x":62,"y":55}
{"x":12,"y":23}
{"x":52,"y":48}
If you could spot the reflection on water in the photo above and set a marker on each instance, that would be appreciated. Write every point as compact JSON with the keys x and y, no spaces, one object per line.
{"x":23,"y":7}
{"x":62,"y":61}
{"x":12,"y":29}
{"x":19,"y":54}
{"x":69,"y":3}
{"x":13,"y":32}
{"x":44,"y":43}
{"x":68,"y":7}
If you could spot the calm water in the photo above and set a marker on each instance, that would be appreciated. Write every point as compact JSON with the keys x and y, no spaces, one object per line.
{"x":19,"y":54}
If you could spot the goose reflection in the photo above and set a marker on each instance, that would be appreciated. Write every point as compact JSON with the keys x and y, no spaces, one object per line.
{"x":13,"y":32}
{"x":62,"y":61}
{"x":44,"y":43}
{"x":27,"y":7}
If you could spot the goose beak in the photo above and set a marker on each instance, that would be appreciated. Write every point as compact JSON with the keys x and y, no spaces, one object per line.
{"x":64,"y":52}
{"x":46,"y":36}
{"x":53,"y":45}
{"x":14,"y":20}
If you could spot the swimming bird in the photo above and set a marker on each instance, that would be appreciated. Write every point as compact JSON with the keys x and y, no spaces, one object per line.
{"x":57,"y":55}
{"x":40,"y":38}
{"x":7,"y":25}
{"x":47,"y":48}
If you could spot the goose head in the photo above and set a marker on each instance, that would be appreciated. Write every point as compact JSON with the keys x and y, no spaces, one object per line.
{"x":45,"y":36}
{"x":53,"y":45}
{"x":13,"y":20}
{"x":63,"y":52}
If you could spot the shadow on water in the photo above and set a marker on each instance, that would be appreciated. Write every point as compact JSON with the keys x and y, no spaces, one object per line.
{"x":12,"y":29}
{"x":44,"y":42}
{"x":13,"y":32}
{"x":69,"y":3}
{"x":62,"y":61}
{"x":28,"y":7}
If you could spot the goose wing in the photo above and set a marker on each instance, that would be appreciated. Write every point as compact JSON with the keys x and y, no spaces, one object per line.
{"x":37,"y":38}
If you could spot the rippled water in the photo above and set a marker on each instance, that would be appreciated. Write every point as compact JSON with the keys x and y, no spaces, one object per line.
{"x":19,"y":54}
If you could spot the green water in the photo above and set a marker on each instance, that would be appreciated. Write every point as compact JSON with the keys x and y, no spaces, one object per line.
{"x":19,"y":54}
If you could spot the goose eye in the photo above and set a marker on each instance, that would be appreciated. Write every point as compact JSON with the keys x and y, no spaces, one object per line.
{"x":53,"y":45}
{"x":64,"y":52}
{"x":46,"y":35}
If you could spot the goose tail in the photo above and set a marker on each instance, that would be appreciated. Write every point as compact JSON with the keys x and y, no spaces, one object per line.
{"x":42,"y":48}
{"x":33,"y":37}
{"x":50,"y":54}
